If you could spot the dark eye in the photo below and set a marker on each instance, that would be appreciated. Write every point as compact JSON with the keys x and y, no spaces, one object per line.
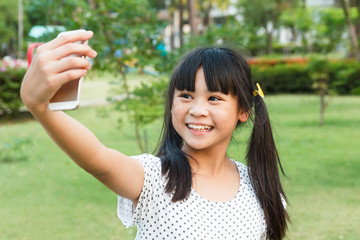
{"x":185,"y":95}
{"x":213,"y":98}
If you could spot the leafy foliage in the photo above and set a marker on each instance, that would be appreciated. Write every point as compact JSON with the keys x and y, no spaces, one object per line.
{"x":320,"y":29}
{"x":8,"y":27}
{"x":228,"y":33}
{"x":343,"y":77}
{"x":346,"y":80}
{"x":11,"y":74}
{"x":126,"y":33}
{"x":283,"y":78}
{"x":13,"y":151}
{"x":262,"y":18}
{"x":146,"y":103}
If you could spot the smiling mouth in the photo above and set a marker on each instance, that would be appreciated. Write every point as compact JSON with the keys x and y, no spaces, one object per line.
{"x":204,"y":128}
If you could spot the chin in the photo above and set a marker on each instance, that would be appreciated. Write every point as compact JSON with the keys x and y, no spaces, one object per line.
{"x":196,"y":146}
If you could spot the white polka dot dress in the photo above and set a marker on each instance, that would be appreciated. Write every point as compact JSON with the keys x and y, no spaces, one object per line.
{"x":157,"y":217}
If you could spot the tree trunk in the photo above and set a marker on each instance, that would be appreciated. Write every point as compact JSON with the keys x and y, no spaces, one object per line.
{"x":358,"y":19}
{"x":146,"y":141}
{"x":192,"y":17}
{"x":20,"y":28}
{"x":294,"y":33}
{"x":354,"y":40}
{"x":206,"y":11}
{"x":323,"y":90}
{"x":322,"y":108}
{"x":304,"y":42}
{"x":138,"y":138}
{"x":181,"y":13}
{"x":172,"y":31}
{"x":303,"y":4}
{"x":125,"y":87}
{"x":269,"y":49}
{"x":92,"y":4}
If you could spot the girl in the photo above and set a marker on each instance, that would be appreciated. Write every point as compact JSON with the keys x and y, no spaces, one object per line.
{"x":190,"y":189}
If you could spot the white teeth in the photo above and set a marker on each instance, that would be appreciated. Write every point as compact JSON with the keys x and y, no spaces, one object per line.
{"x":199,"y":127}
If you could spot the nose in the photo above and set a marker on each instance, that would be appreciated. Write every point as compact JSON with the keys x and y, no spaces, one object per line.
{"x":198,"y":109}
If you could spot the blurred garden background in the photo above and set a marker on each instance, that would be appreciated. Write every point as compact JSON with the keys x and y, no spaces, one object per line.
{"x":304,"y":53}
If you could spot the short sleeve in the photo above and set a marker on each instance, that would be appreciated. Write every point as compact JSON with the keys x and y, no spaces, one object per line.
{"x":152,"y":174}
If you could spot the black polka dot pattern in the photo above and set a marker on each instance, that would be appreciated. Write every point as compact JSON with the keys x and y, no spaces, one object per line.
{"x":157,"y":217}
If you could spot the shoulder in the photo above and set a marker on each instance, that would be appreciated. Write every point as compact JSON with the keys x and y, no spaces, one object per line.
{"x":148,"y":160}
{"x":243,"y":169}
{"x":244,"y":173}
{"x":146,"y":157}
{"x":241,"y":166}
{"x":151,"y":165}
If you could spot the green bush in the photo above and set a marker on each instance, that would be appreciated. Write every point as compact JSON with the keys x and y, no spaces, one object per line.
{"x":283,"y":77}
{"x":11,"y":75}
{"x":345,"y":77}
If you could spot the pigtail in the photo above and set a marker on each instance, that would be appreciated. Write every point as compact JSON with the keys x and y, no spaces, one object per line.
{"x":174,"y":163}
{"x":263,"y":160}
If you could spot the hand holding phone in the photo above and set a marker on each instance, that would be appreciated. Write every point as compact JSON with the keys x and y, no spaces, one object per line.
{"x":55,"y":69}
{"x":68,"y":96}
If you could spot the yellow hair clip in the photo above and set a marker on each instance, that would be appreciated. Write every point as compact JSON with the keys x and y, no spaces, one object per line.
{"x":258,"y":91}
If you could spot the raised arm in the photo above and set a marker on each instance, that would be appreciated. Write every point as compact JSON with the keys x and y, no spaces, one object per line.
{"x":48,"y":71}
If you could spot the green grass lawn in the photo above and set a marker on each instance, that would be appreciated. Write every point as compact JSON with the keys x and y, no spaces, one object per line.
{"x":46,"y":196}
{"x":103,"y":84}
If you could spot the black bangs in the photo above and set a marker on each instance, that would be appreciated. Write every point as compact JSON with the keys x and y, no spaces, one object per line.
{"x":184,"y":75}
{"x":223,"y":70}
{"x":219,"y":71}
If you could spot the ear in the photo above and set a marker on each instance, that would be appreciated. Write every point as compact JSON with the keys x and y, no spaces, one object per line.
{"x":243,"y":116}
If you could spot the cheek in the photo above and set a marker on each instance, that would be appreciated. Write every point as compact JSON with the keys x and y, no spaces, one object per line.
{"x":178,"y":111}
{"x":227,"y":117}
{"x":178,"y":116}
{"x":176,"y":123}
{"x":175,"y":116}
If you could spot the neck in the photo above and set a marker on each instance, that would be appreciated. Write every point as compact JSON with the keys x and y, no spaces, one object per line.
{"x":207,"y":162}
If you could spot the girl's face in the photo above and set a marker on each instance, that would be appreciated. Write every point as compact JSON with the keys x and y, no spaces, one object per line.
{"x":205,"y":119}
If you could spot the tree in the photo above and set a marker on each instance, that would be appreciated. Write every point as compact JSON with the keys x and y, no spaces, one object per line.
{"x":20,"y":28}
{"x":8,"y":27}
{"x":230,"y":31}
{"x":352,"y":31}
{"x":36,"y":11}
{"x":300,"y":22}
{"x":205,"y":7}
{"x":264,"y":17}
{"x":355,"y":4}
{"x":197,"y":12}
{"x":126,"y":33}
{"x":319,"y":69}
{"x":181,"y":22}
{"x":329,"y":29}
{"x":193,"y":20}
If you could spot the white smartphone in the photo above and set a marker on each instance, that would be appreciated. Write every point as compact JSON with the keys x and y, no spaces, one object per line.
{"x":68,"y":96}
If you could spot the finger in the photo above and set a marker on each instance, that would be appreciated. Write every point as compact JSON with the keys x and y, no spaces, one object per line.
{"x":68,"y":37}
{"x":68,"y":63}
{"x":73,"y":48}
{"x":69,"y":75}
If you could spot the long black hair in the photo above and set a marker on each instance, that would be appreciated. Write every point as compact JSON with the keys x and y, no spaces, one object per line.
{"x":227,"y":71}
